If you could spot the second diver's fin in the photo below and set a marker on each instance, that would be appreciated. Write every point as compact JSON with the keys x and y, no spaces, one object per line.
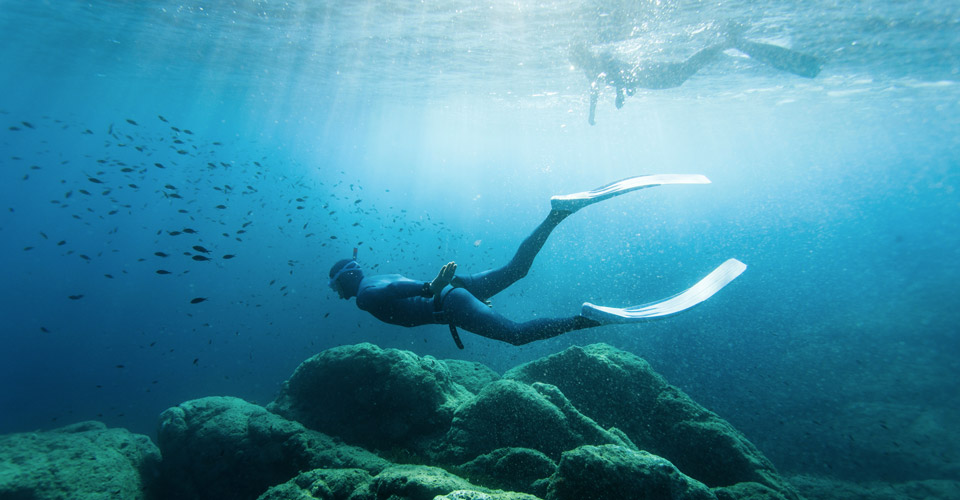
{"x":576,"y":201}
{"x":703,"y":290}
{"x":784,"y":59}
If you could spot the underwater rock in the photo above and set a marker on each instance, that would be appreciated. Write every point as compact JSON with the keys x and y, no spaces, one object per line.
{"x":824,"y":488}
{"x":508,"y":413}
{"x":377,"y":398}
{"x":610,"y":471}
{"x":400,"y":482}
{"x":513,"y":469}
{"x":476,"y":495}
{"x":471,"y":375}
{"x":222,"y":447}
{"x":84,"y":460}
{"x":619,"y":389}
{"x":325,"y":484}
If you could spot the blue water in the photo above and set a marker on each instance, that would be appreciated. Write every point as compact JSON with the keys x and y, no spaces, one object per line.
{"x":422,"y":133}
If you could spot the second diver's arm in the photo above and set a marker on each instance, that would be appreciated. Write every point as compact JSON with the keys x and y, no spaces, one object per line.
{"x":594,"y":97}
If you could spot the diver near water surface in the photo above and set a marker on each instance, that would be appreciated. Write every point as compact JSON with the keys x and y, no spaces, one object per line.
{"x":604,"y":69}
{"x":461,"y":301}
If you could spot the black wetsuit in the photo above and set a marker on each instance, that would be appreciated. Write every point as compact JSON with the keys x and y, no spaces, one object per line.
{"x":397,"y":300}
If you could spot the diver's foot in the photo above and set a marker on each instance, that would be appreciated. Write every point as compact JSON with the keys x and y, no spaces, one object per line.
{"x":572,"y":202}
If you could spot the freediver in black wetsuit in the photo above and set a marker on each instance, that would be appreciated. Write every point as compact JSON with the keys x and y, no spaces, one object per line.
{"x":461,"y":301}
{"x":604,"y":69}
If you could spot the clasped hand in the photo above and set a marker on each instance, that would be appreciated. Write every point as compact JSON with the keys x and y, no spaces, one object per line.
{"x":444,"y":277}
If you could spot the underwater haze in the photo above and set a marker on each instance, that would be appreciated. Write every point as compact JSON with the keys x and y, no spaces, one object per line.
{"x":153,"y":154}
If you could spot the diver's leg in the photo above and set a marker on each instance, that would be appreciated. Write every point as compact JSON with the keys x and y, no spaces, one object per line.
{"x":486,"y":284}
{"x":783,"y":59}
{"x":466,"y":311}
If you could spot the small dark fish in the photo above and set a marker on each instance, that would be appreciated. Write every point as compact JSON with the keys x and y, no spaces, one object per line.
{"x":333,"y":237}
{"x":325,"y":315}
{"x":76,"y":297}
{"x":159,"y":165}
{"x":221,"y":207}
{"x":61,"y":243}
{"x":162,"y":271}
{"x":186,"y":131}
{"x":181,"y":152}
{"x":27,"y":124}
{"x":200,"y":249}
{"x":108,"y":276}
{"x":94,"y":180}
{"x":164,"y":120}
{"x":173,"y":233}
{"x":120,"y":366}
{"x":189,"y":231}
{"x":200,"y":258}
{"x":25,"y":249}
{"x":160,"y":254}
{"x":170,"y":186}
{"x":83,"y":191}
{"x":126,"y":169}
{"x":84,"y":257}
{"x":229,"y":256}
{"x":196,"y":361}
{"x":44,"y":329}
{"x":131,"y":122}
{"x":198,"y":300}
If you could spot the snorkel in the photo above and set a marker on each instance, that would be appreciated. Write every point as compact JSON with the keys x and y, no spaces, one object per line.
{"x":339,"y":276}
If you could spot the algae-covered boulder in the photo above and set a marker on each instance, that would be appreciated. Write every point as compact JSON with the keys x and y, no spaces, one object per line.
{"x":513,"y":469}
{"x":324,"y":484}
{"x":221,"y":447}
{"x":399,"y":482}
{"x":604,"y":472}
{"x":477,"y":495}
{"x":85,"y":460}
{"x":830,"y":488}
{"x":508,"y":413}
{"x":619,"y":389}
{"x":471,"y":375}
{"x":377,"y":398}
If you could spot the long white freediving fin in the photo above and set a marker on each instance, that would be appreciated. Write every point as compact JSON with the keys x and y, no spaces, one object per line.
{"x":576,"y":201}
{"x":703,"y":290}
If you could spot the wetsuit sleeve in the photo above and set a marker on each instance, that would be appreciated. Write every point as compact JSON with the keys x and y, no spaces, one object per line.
{"x":406,"y":289}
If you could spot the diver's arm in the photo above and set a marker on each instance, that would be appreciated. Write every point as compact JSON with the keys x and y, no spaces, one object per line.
{"x":444,"y":277}
{"x":594,"y":97}
{"x":404,"y":290}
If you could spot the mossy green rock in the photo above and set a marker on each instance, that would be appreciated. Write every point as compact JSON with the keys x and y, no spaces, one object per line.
{"x":610,"y":471}
{"x":471,"y":375}
{"x":221,"y":447}
{"x":324,"y":484}
{"x":513,"y":469}
{"x":85,"y":460}
{"x":377,"y":398}
{"x":508,"y":413}
{"x":400,"y":482}
{"x":619,"y":389}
